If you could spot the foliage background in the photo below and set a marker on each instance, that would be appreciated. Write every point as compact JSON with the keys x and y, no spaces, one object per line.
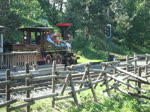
{"x":130,"y":21}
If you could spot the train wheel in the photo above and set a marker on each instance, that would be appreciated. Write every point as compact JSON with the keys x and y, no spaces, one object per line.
{"x":58,"y":59}
{"x":48,"y":59}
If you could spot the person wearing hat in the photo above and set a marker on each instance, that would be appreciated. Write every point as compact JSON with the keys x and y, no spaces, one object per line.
{"x":57,"y":38}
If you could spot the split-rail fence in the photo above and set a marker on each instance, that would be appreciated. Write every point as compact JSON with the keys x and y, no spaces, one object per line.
{"x":112,"y":75}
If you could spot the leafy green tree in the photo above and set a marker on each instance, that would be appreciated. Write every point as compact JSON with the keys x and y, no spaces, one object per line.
{"x":8,"y":18}
{"x":89,"y":18}
{"x":132,"y":20}
{"x":52,"y":8}
{"x":28,"y":8}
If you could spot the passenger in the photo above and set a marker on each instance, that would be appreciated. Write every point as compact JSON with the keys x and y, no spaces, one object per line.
{"x":57,"y":38}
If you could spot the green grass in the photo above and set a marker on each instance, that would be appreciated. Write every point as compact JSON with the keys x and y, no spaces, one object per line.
{"x":84,"y":60}
{"x":86,"y":50}
{"x":118,"y":102}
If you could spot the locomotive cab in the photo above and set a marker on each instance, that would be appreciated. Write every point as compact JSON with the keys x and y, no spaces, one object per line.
{"x":34,"y":35}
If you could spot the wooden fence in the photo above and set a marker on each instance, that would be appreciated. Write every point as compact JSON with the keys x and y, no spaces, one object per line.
{"x":14,"y":59}
{"x":111,"y":74}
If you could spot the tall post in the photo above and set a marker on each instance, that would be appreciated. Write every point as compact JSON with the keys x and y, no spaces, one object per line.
{"x":53,"y":82}
{"x":139,"y":83}
{"x":108,"y":38}
{"x":27,"y":84}
{"x":108,"y":49}
{"x":7,"y":90}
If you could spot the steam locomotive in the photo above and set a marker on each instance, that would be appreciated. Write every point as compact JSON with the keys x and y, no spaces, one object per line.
{"x":48,"y":45}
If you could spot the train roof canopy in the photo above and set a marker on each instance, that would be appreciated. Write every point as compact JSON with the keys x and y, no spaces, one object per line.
{"x":35,"y":29}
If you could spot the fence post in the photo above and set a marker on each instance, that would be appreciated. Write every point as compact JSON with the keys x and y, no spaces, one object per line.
{"x":127,"y":67}
{"x":90,"y":83}
{"x":114,"y":72}
{"x":73,"y":91}
{"x":139,"y":74}
{"x":106,"y":82}
{"x":146,"y":68}
{"x":83,"y":77}
{"x":27,"y":84}
{"x":135,"y":64}
{"x":139,"y":83}
{"x":127,"y":61}
{"x":8,"y":89}
{"x":100,"y":75}
{"x":64,"y":86}
{"x":53,"y":81}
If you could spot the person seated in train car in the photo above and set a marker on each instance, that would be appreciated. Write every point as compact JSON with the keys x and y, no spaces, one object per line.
{"x":46,"y":34}
{"x":57,"y":38}
{"x":49,"y":37}
{"x":68,"y":37}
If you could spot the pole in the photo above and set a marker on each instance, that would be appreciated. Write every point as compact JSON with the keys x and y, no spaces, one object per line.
{"x":108,"y":38}
{"x":108,"y":48}
{"x":108,"y":42}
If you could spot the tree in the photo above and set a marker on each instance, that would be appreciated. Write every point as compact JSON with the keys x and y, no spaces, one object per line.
{"x":132,"y":23}
{"x":52,"y":8}
{"x":7,"y":18}
{"x":28,"y":8}
{"x":89,"y":18}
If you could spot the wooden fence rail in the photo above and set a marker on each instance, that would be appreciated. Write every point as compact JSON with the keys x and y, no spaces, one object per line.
{"x":111,"y":74}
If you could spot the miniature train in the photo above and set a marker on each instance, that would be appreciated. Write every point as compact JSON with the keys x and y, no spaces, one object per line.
{"x":48,"y":45}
